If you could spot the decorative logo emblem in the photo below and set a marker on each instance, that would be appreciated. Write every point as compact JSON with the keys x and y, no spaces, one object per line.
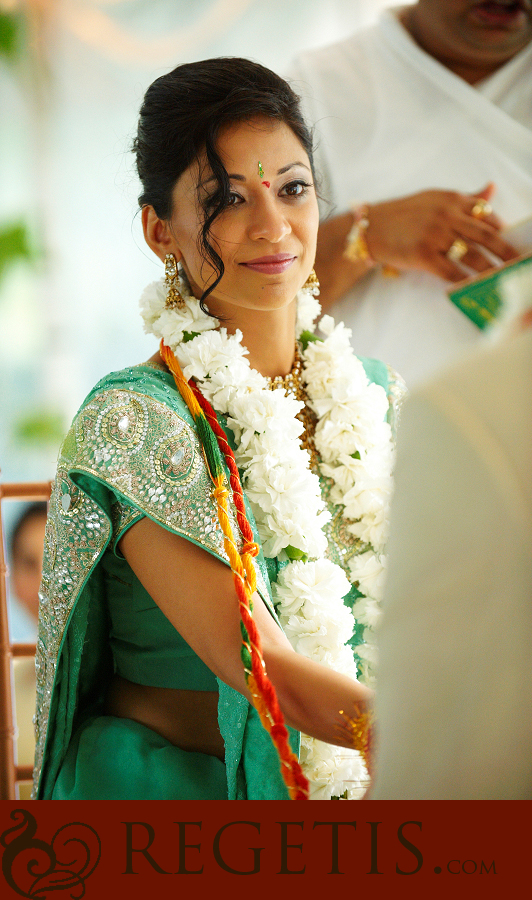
{"x":35,"y":869}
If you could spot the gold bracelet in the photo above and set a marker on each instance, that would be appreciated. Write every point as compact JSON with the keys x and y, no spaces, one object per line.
{"x":356,"y":245}
{"x":359,"y":731}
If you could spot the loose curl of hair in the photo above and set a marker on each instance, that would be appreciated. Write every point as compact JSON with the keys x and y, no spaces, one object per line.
{"x":180,"y":121}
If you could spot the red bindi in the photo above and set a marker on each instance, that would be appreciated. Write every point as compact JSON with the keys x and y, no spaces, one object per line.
{"x":266,"y":183}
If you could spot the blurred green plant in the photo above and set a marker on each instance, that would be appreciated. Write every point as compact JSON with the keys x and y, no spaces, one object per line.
{"x":10,"y":35}
{"x":40,"y":427}
{"x":14,"y":237}
{"x":14,"y":244}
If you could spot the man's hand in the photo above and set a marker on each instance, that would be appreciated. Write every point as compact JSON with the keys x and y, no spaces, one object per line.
{"x":414,"y":233}
{"x":417,"y":232}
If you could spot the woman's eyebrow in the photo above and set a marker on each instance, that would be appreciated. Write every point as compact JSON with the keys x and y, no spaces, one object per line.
{"x":293,"y":166}
{"x":233,"y":176}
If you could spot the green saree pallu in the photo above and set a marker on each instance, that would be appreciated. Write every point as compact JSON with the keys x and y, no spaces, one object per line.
{"x":133,"y":451}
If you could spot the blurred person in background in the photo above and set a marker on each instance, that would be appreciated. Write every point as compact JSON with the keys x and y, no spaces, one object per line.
{"x":424,"y":121}
{"x":26,"y":545}
{"x":457,"y":609}
{"x":26,"y":553}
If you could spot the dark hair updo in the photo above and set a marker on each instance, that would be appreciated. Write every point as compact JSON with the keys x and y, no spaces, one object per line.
{"x":180,"y":120}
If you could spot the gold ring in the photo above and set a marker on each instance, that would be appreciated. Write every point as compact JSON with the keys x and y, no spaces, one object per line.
{"x":481,"y":208}
{"x":457,"y":250}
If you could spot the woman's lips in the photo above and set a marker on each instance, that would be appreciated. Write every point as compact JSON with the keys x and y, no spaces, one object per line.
{"x":270,"y":265}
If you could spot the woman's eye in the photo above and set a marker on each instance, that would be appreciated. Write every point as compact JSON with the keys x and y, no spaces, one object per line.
{"x":296,"y":188}
{"x":234,"y":199}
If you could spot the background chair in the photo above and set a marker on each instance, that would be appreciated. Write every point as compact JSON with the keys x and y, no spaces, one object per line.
{"x":11,"y":774}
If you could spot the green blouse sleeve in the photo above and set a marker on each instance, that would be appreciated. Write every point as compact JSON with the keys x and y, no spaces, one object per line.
{"x":149,"y":458}
{"x":137,"y":454}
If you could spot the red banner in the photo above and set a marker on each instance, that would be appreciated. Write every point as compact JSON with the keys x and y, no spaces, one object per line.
{"x":157,"y":849}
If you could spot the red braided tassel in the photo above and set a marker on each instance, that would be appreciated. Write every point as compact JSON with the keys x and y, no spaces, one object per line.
{"x":295,"y":777}
{"x":262,"y":690}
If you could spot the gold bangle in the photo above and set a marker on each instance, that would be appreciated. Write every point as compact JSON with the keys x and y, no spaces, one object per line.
{"x":359,"y":731}
{"x":356,"y":245}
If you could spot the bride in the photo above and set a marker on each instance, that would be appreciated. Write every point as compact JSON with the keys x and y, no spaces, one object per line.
{"x":223,"y":504}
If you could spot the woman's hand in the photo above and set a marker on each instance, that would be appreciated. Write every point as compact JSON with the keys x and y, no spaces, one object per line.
{"x":413,"y":233}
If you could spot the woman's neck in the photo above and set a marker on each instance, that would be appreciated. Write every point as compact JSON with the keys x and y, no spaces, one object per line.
{"x":269,"y":337}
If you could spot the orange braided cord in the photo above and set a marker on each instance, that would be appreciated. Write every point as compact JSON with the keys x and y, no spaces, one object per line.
{"x":183,"y":386}
{"x":250,"y":547}
{"x":268,"y":708}
{"x":244,"y":577}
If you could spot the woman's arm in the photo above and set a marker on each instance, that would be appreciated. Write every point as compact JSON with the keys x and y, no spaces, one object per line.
{"x":196,"y":593}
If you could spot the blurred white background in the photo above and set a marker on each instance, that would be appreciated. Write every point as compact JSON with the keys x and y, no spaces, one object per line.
{"x":73,"y":262}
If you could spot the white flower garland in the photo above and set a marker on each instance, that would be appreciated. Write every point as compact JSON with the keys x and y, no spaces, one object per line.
{"x":354,"y":442}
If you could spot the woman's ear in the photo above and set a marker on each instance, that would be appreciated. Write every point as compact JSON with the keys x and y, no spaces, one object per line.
{"x":158,"y":235}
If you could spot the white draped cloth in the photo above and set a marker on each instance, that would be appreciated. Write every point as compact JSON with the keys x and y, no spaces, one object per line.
{"x":391,"y":121}
{"x":453,"y":699}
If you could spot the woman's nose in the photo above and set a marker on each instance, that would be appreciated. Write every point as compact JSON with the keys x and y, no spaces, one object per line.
{"x":268,"y":221}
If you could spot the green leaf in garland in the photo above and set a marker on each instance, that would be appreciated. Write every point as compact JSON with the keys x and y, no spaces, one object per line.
{"x":295,"y":553}
{"x":190,"y":335}
{"x":356,"y":455}
{"x":306,"y":338}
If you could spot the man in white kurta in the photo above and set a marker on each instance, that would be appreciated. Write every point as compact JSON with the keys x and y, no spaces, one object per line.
{"x":392,"y":120}
{"x":453,"y":702}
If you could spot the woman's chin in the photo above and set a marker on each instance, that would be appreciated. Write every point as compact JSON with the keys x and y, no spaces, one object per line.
{"x":269,"y":299}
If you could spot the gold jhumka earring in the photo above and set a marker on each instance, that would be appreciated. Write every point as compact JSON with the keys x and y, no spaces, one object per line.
{"x":312,"y":282}
{"x":174,"y":300}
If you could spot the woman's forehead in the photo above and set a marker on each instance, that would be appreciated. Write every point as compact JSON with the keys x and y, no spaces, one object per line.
{"x":242,"y":146}
{"x":254,"y":147}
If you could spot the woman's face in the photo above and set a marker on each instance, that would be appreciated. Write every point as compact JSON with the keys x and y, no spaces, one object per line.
{"x":266,"y":237}
{"x":26,"y":565}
